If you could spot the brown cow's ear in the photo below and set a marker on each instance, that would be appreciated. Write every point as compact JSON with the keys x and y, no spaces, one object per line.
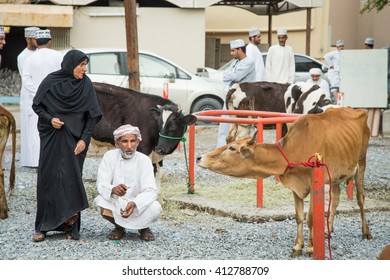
{"x":246,"y":152}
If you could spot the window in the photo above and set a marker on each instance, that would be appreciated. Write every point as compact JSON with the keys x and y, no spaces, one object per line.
{"x":104,"y":63}
{"x":150,"y":66}
{"x":304,"y":64}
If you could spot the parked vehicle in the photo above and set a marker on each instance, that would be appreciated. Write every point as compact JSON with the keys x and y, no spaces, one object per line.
{"x":191,"y":92}
{"x":303,"y":64}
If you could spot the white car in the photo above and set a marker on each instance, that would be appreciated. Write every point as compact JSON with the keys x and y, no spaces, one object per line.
{"x":303,"y":64}
{"x":191,"y":92}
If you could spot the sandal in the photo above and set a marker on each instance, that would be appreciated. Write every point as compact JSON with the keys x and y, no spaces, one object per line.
{"x":117,"y":233}
{"x":38,"y":236}
{"x":146,"y":234}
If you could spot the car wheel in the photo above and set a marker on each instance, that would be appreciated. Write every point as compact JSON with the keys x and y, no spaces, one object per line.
{"x":206,"y":104}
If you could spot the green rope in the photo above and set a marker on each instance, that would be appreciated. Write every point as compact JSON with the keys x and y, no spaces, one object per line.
{"x":182,"y":139}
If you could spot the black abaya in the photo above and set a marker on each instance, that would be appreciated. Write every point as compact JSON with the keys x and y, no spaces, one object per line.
{"x":60,"y":189}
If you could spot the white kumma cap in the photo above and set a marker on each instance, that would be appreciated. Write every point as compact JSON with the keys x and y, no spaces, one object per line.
{"x":237,"y":44}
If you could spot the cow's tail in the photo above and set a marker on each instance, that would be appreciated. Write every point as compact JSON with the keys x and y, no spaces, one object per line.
{"x":12,"y":128}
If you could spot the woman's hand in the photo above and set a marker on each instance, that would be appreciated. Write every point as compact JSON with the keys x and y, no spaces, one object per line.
{"x":80,"y":146}
{"x":56,"y":123}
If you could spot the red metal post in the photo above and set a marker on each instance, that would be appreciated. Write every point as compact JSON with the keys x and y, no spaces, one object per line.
{"x":191,"y":160}
{"x":350,"y":190}
{"x":259,"y":187}
{"x":318,"y":206}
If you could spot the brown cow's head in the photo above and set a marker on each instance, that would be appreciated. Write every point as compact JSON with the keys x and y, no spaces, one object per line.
{"x":172,"y":125}
{"x":235,"y":159}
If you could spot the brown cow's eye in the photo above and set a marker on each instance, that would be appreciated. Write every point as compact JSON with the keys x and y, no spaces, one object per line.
{"x":231,"y":148}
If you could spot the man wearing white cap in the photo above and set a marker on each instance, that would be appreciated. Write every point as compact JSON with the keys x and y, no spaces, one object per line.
{"x":242,"y":69}
{"x":127,"y":187}
{"x":332,"y":59}
{"x":316,"y":79}
{"x":36,"y":67}
{"x":25,"y":99}
{"x":280,"y":63}
{"x":2,"y":40}
{"x":369,"y":43}
{"x":253,"y":52}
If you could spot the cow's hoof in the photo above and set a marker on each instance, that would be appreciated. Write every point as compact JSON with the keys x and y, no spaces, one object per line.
{"x":367,"y":236}
{"x":309,"y":254}
{"x":296,"y":253}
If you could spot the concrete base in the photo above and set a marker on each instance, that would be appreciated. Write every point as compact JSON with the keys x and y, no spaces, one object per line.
{"x":386,"y":123}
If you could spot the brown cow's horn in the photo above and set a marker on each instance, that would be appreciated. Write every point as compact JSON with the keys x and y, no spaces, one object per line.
{"x":253,"y":140}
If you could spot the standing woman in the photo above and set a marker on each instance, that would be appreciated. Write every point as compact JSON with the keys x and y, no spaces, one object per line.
{"x":68,"y":111}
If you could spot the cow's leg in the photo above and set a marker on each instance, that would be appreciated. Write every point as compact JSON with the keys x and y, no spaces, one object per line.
{"x":334,"y":204}
{"x":309,"y":221}
{"x":359,"y":181}
{"x":3,"y":200}
{"x":299,"y":218}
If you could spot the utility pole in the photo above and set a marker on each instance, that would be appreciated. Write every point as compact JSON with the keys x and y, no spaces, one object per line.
{"x":132,"y":43}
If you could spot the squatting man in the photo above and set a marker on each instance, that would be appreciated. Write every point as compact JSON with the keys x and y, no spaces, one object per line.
{"x":127,"y":187}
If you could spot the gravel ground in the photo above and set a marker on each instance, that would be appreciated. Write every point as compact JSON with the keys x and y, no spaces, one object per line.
{"x":203,"y":236}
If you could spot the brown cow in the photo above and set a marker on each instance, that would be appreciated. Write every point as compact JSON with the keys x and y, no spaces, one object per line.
{"x":340,"y":135}
{"x":7,"y":124}
{"x":257,"y":96}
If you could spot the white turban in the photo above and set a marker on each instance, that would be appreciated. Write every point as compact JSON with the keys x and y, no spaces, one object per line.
{"x":127,"y":129}
{"x":315,"y":71}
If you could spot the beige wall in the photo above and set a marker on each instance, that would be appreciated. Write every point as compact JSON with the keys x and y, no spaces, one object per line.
{"x":231,"y":23}
{"x":346,"y":22}
{"x":177,"y":34}
{"x":336,"y":19}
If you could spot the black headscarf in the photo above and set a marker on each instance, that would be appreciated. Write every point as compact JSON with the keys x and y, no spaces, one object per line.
{"x":67,"y":93}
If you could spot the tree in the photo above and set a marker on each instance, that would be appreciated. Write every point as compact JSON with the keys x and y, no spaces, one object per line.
{"x":369,"y":5}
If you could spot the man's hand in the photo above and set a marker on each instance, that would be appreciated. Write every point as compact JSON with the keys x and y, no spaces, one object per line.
{"x":119,"y":190}
{"x":129,"y":209}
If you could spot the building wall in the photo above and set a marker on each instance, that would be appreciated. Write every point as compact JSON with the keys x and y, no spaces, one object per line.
{"x":334,"y":20}
{"x":346,"y":22}
{"x":177,"y":34}
{"x":229,"y":23}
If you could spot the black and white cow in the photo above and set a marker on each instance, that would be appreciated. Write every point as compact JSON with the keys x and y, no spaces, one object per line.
{"x":304,"y":98}
{"x":256,"y":96}
{"x":161,"y":122}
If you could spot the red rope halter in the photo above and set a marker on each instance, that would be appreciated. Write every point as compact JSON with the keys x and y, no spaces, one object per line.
{"x":317,"y":162}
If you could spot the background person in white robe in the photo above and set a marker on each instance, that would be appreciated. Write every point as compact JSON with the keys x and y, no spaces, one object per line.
{"x":241,"y":70}
{"x":2,"y":40}
{"x":25,"y":102}
{"x":280,"y":63}
{"x":316,"y":79}
{"x":127,"y":187}
{"x":369,"y":43}
{"x":253,"y":52}
{"x":332,"y":59}
{"x":37,"y":66}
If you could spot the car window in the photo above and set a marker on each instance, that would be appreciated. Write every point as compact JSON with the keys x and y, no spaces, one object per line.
{"x":304,"y":64}
{"x":150,"y":66}
{"x":104,"y":63}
